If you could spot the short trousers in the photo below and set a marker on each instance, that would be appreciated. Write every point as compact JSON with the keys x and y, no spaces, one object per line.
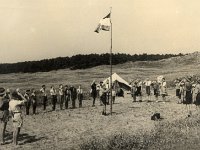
{"x":17,"y":120}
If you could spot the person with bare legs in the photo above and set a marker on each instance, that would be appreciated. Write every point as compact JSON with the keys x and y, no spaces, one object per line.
{"x":188,"y":95}
{"x":14,"y":108}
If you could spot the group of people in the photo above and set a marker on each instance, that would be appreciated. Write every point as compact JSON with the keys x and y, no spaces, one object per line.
{"x":188,"y":92}
{"x":157,"y":87}
{"x":12,"y":104}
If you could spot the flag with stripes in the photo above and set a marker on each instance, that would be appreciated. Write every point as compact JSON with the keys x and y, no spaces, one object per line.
{"x":104,"y":24}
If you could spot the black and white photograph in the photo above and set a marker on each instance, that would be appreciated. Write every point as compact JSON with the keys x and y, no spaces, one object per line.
{"x":99,"y":75}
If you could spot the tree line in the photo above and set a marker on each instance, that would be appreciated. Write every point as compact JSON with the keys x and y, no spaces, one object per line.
{"x":78,"y":62}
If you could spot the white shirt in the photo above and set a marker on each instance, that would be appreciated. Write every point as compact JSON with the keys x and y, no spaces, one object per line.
{"x":52,"y":91}
{"x":13,"y":105}
{"x":80,"y":91}
{"x":148,"y":83}
{"x":43,"y":92}
{"x":61,"y":92}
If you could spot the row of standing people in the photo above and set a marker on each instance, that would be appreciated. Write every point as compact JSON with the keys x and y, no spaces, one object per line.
{"x":155,"y":87}
{"x":188,"y":92}
{"x":12,"y":103}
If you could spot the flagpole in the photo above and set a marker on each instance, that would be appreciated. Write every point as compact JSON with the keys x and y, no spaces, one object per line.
{"x":111,"y":99}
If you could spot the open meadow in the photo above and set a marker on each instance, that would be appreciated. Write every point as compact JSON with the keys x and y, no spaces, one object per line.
{"x":130,"y":126}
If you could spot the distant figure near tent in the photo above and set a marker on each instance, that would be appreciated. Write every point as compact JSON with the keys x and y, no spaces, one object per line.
{"x":119,"y":83}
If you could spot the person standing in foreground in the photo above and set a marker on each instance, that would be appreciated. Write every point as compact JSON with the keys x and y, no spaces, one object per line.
{"x":188,"y":95}
{"x":44,"y":96}
{"x":93,"y":92}
{"x":80,"y":95}
{"x":4,"y":114}
{"x":54,"y":97}
{"x":14,"y":108}
{"x":61,"y":96}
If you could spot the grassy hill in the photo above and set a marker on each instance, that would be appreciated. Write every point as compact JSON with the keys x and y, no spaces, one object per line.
{"x":171,"y":68}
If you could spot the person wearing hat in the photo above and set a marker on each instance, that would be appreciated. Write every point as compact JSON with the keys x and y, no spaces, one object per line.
{"x":44,"y":96}
{"x":14,"y":107}
{"x":4,"y":112}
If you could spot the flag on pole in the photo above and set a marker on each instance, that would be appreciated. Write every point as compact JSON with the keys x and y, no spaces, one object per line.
{"x":104,"y":24}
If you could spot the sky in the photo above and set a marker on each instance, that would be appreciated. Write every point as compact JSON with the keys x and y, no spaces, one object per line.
{"x":40,"y":29}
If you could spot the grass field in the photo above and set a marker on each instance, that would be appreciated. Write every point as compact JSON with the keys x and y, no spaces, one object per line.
{"x":129,"y":127}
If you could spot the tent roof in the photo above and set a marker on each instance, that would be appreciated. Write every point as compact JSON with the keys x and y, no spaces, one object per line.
{"x":116,"y":77}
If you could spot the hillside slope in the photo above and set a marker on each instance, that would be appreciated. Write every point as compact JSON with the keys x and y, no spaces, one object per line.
{"x":171,"y":68}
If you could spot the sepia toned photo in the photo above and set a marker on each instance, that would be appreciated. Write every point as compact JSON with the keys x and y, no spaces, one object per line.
{"x":99,"y":75}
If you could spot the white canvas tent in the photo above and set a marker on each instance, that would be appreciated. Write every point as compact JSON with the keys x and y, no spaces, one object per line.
{"x":118,"y":81}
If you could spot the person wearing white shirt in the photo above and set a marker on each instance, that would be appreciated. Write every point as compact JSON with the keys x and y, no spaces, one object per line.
{"x":14,"y":108}
{"x":61,"y":95}
{"x":148,"y":87}
{"x":80,"y":95}
{"x":163,"y":88}
{"x":54,"y":97}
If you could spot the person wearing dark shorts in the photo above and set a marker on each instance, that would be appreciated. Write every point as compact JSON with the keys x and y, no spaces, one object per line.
{"x":188,"y":95}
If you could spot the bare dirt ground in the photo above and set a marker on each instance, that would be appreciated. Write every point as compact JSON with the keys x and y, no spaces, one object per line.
{"x":66,"y":129}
